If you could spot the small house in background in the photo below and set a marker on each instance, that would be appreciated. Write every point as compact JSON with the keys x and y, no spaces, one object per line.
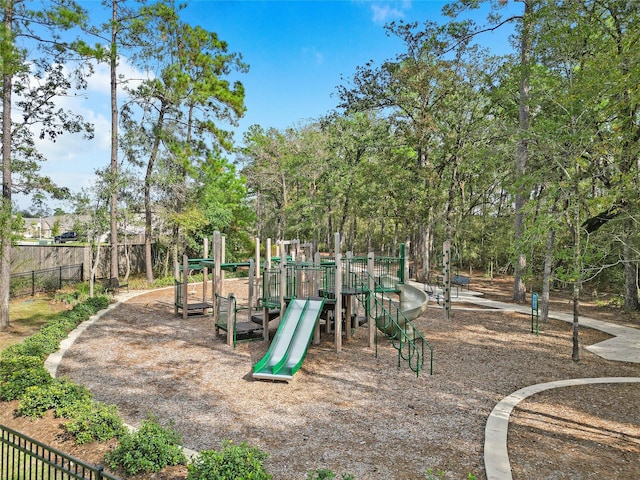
{"x":44,"y":227}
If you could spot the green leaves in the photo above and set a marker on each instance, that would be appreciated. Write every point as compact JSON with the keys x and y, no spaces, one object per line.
{"x":149,"y":449}
{"x":232,"y":462}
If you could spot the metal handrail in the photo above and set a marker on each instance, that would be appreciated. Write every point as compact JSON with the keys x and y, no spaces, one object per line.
{"x":389,"y":318}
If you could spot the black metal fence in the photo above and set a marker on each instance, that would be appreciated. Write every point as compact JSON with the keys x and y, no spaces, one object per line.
{"x":49,"y":280}
{"x":23,"y":458}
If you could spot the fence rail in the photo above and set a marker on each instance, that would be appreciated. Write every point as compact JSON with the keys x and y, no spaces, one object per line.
{"x":51,"y":279}
{"x":23,"y":458}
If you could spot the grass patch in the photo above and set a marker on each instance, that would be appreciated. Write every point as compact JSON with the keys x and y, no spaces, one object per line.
{"x":27,"y":316}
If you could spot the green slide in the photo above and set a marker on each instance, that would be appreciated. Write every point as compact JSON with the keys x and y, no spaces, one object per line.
{"x":289,"y":346}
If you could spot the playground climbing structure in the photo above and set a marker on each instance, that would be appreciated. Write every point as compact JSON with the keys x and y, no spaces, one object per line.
{"x":339,"y":282}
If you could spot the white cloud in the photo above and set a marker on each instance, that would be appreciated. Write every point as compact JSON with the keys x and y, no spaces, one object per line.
{"x":385,"y":12}
{"x":71,"y":160}
{"x":100,"y":81}
{"x":316,"y":56}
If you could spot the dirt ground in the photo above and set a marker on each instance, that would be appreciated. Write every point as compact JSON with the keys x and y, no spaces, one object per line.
{"x":355,"y":412}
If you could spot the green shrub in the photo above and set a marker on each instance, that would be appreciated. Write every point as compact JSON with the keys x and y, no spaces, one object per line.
{"x":27,"y":349}
{"x":82,"y":291}
{"x":19,"y":372}
{"x":94,"y":421}
{"x":232,"y":462}
{"x":73,"y":317}
{"x":149,"y":449}
{"x":432,"y":475}
{"x":326,"y":474}
{"x":43,"y":343}
{"x":61,"y":395}
{"x":98,"y":303}
{"x":167,"y":281}
{"x":69,"y":298}
{"x":321,"y":474}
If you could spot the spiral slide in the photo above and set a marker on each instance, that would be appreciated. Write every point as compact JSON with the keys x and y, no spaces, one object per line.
{"x":413,"y":303}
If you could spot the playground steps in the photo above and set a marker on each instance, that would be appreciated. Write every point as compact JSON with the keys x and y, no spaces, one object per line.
{"x":394,"y":324}
{"x":256,"y":317}
{"x":198,"y":308}
{"x":248,"y":331}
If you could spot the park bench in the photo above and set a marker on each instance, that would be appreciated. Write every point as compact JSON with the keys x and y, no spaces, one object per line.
{"x":112,"y":285}
{"x":461,"y":281}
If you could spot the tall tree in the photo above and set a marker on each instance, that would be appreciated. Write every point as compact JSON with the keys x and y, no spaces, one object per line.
{"x":188,"y":93}
{"x":433,"y":96}
{"x":113,"y":164}
{"x":23,"y":26}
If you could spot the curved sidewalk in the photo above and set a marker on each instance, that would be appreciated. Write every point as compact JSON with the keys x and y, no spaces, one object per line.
{"x":496,"y":455}
{"x":623,"y":347}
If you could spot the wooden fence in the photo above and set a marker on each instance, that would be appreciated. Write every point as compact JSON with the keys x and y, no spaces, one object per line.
{"x":26,"y":258}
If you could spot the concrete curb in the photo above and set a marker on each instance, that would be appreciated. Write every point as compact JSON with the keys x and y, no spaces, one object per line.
{"x":496,"y":455}
{"x":53,"y":361}
{"x":623,"y":347}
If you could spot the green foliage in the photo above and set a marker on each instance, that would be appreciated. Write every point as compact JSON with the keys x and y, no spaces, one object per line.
{"x":41,"y":344}
{"x":616,"y":301}
{"x":60,"y":395}
{"x":167,"y":281}
{"x":431,"y":475}
{"x":22,"y":365}
{"x":232,"y":462}
{"x":98,"y":303}
{"x":149,"y":449}
{"x":70,"y":298}
{"x":19,"y":372}
{"x":326,"y":474}
{"x":94,"y":421}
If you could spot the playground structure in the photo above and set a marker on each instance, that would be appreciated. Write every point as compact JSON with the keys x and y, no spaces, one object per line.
{"x":323,"y":291}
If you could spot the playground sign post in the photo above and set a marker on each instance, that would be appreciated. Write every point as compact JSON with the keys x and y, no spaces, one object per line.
{"x":534,"y":313}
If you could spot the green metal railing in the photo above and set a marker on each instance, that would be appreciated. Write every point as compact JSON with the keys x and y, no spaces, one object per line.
{"x":390,"y":320}
{"x":303,"y":280}
{"x":23,"y":458}
{"x":271,"y":288}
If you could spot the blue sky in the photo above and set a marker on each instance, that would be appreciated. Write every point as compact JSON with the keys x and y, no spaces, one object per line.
{"x":298,"y":52}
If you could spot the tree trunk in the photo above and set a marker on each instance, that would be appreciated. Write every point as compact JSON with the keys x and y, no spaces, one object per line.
{"x":522,"y":157}
{"x":5,"y":213}
{"x":577,"y":267}
{"x":113,"y":211}
{"x":546,"y":276}
{"x":95,"y":262}
{"x":575,"y":355}
{"x":148,"y":231}
{"x":630,"y":277}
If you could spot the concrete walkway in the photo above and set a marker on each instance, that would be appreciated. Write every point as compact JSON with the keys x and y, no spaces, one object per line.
{"x":623,"y":347}
{"x":496,"y":455}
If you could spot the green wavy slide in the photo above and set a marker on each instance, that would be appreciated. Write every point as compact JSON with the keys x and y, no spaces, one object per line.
{"x":291,"y":342}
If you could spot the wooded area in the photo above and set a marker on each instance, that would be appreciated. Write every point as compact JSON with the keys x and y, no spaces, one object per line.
{"x":527,"y":163}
